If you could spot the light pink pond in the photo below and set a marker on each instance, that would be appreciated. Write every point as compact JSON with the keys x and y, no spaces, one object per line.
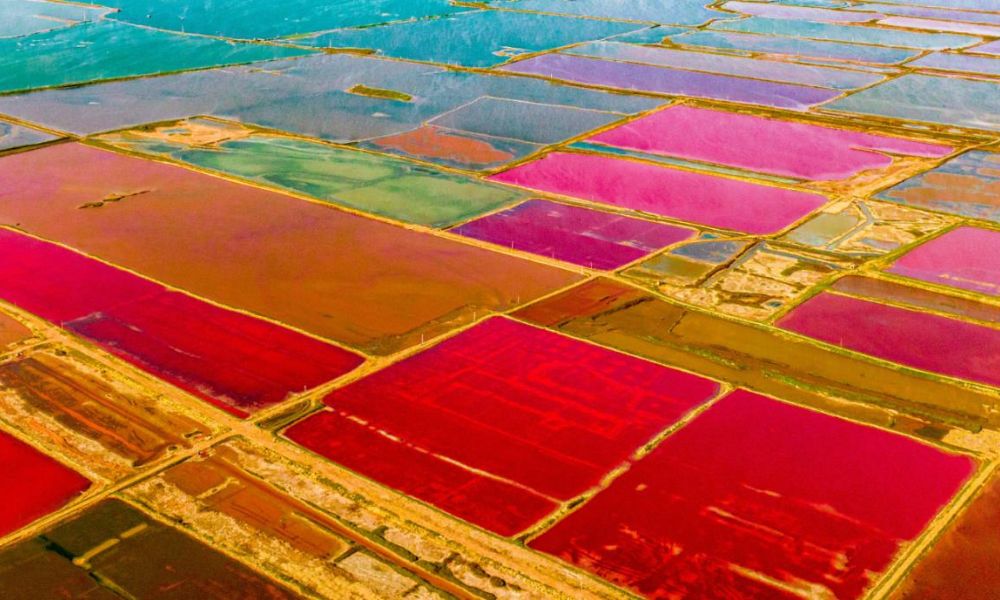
{"x":684,"y":195}
{"x":804,"y":13}
{"x":785,"y":148}
{"x":966,"y":258}
{"x":627,"y":76}
{"x":988,"y":48}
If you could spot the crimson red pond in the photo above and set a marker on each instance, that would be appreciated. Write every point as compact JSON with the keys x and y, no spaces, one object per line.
{"x":32,"y":485}
{"x":916,"y":339}
{"x":234,"y":361}
{"x":758,"y":498}
{"x":501,"y":423}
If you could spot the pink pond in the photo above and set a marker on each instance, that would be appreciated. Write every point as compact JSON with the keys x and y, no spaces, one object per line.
{"x":754,"y":143}
{"x":575,"y":234}
{"x":966,"y":258}
{"x":921,"y":340}
{"x":684,"y":195}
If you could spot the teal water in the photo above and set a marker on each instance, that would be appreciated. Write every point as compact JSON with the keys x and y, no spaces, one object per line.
{"x":473,"y":39}
{"x":266,"y":19}
{"x":669,"y":12}
{"x":25,"y":17}
{"x":115,"y":50}
{"x":942,"y":100}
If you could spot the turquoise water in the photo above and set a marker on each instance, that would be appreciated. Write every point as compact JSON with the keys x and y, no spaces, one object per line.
{"x":943,"y":100}
{"x":261,"y":19}
{"x":473,"y":39}
{"x":53,"y":58}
